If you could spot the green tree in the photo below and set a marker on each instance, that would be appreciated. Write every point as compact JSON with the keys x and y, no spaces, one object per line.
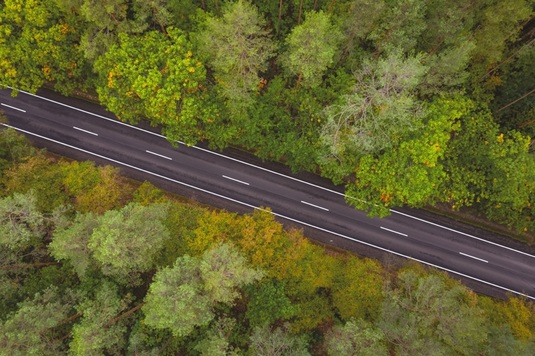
{"x":412,"y":173}
{"x":268,"y":303}
{"x":356,"y":338}
{"x":14,"y":148}
{"x":266,"y":341}
{"x":429,"y":314}
{"x":511,"y":107}
{"x":182,"y":297}
{"x":448,"y":42}
{"x":223,"y":269}
{"x":216,"y":342}
{"x":380,"y":110}
{"x":38,"y":44}
{"x":30,"y":330}
{"x":121,"y":243}
{"x":175,"y":300}
{"x":153,"y":13}
{"x":156,"y":76}
{"x":104,"y":21}
{"x":401,"y":25}
{"x":357,"y":291}
{"x":127,"y":241}
{"x":41,"y":175}
{"x":357,"y":18}
{"x":497,"y":27}
{"x":97,"y":332}
{"x":70,"y":243}
{"x":22,"y":225}
{"x":311,"y":48}
{"x":491,"y":170}
{"x":238,"y":46}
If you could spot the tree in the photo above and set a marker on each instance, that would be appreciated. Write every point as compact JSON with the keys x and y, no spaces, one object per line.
{"x":238,"y":46}
{"x":122,"y":243}
{"x":511,"y":108}
{"x":94,"y":189}
{"x":126,"y":241}
{"x":380,"y":110}
{"x":223,"y":269}
{"x":41,"y":175}
{"x":497,"y":26}
{"x":357,"y":291}
{"x":400,"y":27}
{"x":448,"y":43}
{"x":356,"y":338}
{"x":182,"y":297}
{"x":268,"y":303}
{"x":14,"y":148}
{"x":38,"y":44}
{"x":30,"y":329}
{"x":154,"y":13}
{"x":270,"y":342}
{"x":105,"y":20}
{"x":411,"y":173}
{"x":156,"y":76}
{"x":147,"y":194}
{"x":175,"y":300}
{"x":311,"y":48}
{"x":70,"y":243}
{"x":22,"y":225}
{"x":490,"y":169}
{"x":96,"y":332}
{"x":215,"y":341}
{"x":358,"y":19}
{"x":432,"y":315}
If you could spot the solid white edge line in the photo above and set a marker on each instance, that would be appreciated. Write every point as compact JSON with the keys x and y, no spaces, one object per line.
{"x":475,"y":258}
{"x":159,"y":155}
{"x":12,"y":107}
{"x":462,"y":233}
{"x":182,"y":143}
{"x":314,"y":205}
{"x":275,"y":214}
{"x":394,"y":231}
{"x":234,"y":179}
{"x":88,"y":112}
{"x":86,"y":131}
{"x":268,"y":170}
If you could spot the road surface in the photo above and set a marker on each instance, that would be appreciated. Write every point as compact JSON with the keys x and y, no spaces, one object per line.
{"x":83,"y":130}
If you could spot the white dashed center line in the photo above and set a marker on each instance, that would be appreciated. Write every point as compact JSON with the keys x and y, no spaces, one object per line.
{"x":475,"y":258}
{"x":315,"y":206}
{"x":12,"y":107}
{"x":394,"y":231}
{"x":159,"y":155}
{"x":235,"y":180}
{"x":89,"y":132}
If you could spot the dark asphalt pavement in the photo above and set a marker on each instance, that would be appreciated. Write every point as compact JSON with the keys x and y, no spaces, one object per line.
{"x":239,"y":182}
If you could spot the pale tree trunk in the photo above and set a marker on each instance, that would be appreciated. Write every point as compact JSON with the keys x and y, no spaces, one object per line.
{"x":515,"y":101}
{"x":125,"y":314}
{"x":299,"y":81}
{"x":28,"y":265}
{"x":300,"y":12}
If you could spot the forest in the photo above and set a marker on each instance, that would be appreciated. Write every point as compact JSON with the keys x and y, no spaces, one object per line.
{"x":404,"y":102}
{"x":92,"y":263}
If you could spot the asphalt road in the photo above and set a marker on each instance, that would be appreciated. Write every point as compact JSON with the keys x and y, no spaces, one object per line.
{"x":239,"y":182}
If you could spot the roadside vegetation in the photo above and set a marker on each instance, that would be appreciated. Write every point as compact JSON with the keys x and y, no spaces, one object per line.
{"x":405,"y":102}
{"x":92,"y":263}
